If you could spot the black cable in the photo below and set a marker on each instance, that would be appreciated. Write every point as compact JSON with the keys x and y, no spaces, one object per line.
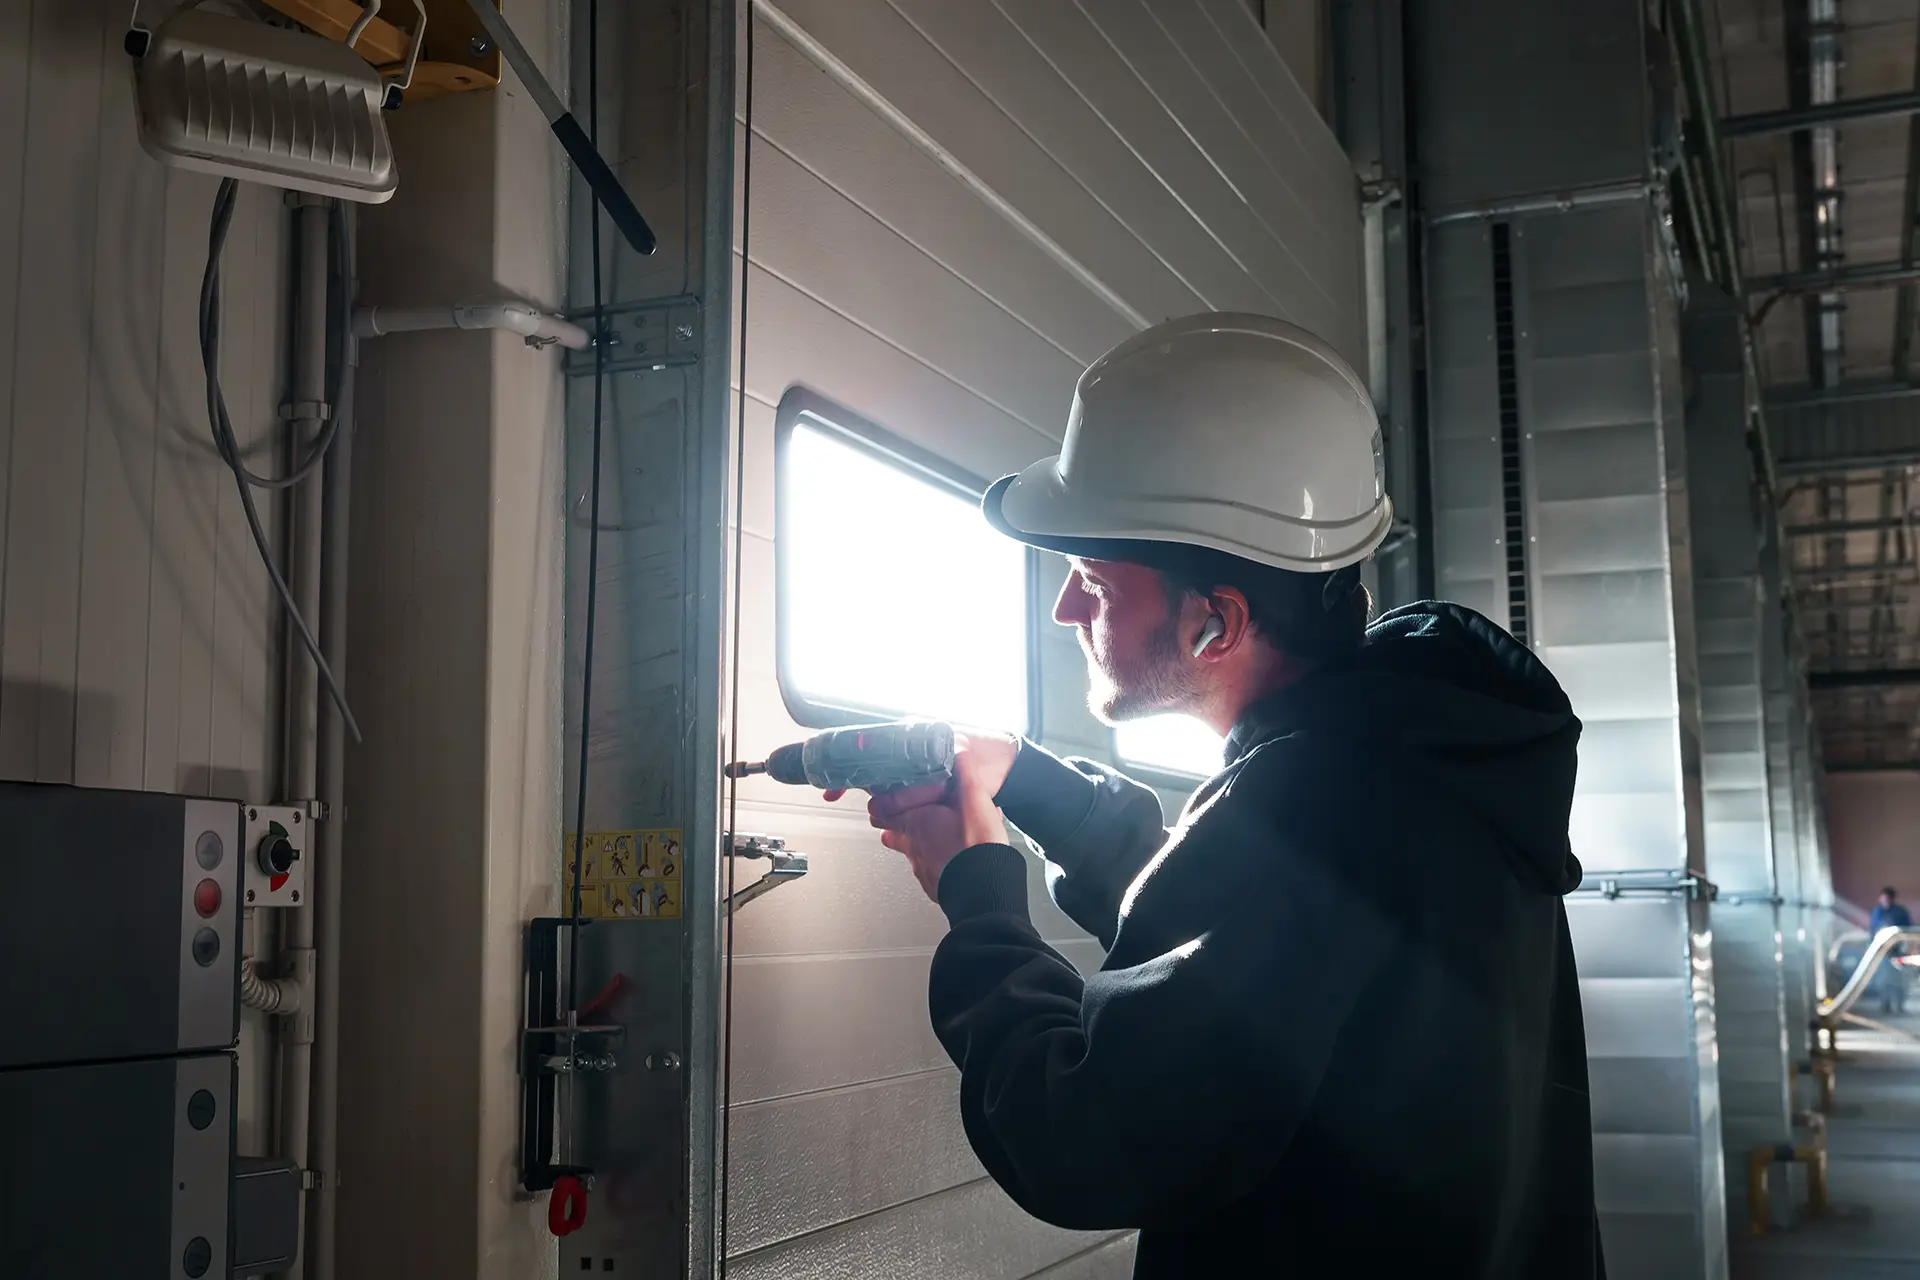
{"x":593,"y":540}
{"x":733,"y":731}
{"x":229,"y":448}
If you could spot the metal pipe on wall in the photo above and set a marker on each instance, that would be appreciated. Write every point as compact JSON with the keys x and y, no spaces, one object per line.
{"x":300,"y":679}
{"x":1823,"y":89}
{"x":330,"y":883}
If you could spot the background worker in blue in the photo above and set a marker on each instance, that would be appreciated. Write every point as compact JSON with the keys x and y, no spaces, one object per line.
{"x":1891,"y":980}
{"x":1338,"y":1024}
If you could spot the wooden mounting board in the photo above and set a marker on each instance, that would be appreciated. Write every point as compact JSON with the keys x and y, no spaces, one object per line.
{"x":447,"y":62}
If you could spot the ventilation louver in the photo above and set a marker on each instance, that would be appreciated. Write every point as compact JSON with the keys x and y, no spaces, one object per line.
{"x":1513,"y":504}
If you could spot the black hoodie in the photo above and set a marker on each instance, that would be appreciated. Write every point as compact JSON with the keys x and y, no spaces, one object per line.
{"x":1338,"y":1024}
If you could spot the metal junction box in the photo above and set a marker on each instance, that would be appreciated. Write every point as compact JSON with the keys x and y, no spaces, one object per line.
{"x":119,"y":998}
{"x":120,"y":927}
{"x":274,"y":854}
{"x":117,"y":1171}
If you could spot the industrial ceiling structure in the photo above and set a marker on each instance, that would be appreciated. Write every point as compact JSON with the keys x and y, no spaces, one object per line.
{"x":1817,"y":105}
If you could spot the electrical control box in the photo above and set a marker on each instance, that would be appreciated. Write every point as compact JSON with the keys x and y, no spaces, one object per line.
{"x":276,"y":844}
{"x":119,"y":927}
{"x":119,"y":1170}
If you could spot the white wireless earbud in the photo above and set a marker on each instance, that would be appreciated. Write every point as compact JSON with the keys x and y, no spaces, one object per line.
{"x":1211,"y":631}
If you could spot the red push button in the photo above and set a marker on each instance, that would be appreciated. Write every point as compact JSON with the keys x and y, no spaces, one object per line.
{"x":206,"y":898}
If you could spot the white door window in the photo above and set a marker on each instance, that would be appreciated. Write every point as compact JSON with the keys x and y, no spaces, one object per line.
{"x":1178,"y":745}
{"x":896,"y":598}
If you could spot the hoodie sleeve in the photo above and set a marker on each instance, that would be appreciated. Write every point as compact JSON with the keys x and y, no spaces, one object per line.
{"x":1153,"y":1095}
{"x":1097,"y":828}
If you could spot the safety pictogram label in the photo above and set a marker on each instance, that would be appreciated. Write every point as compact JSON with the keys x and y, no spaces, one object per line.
{"x":625,"y":875}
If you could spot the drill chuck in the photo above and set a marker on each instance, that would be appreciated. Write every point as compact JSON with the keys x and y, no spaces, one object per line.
{"x":788,"y":764}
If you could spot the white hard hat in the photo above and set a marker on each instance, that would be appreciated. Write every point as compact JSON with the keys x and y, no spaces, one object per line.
{"x":1239,"y":433}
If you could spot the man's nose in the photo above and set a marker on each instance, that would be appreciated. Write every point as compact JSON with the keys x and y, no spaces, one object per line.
{"x":1070,"y":608}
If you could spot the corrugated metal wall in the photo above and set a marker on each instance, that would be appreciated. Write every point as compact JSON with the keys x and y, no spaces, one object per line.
{"x":954,"y":208}
{"x":1800,"y":919}
{"x":1749,"y":978}
{"x":138,"y":638}
{"x":1560,"y":509}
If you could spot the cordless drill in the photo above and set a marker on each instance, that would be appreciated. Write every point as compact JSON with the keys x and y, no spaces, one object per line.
{"x":871,"y":757}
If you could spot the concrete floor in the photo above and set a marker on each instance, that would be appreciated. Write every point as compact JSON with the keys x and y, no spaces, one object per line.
{"x":1873,"y":1158}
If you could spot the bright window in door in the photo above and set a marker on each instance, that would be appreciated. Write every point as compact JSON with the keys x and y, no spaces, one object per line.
{"x":895,"y":597}
{"x":1178,"y":745}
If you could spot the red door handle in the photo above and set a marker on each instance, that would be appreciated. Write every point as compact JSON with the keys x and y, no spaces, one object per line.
{"x":567,"y":1207}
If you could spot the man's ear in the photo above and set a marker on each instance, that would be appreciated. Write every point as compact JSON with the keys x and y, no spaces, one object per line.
{"x":1235,"y":622}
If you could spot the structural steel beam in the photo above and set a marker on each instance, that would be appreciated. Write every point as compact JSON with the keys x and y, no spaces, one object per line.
{"x":1834,"y":528}
{"x":1885,"y":678}
{"x":1811,"y":573}
{"x":1860,"y":460}
{"x":1802,"y":397}
{"x":1765,"y":122}
{"x":1865,"y":275}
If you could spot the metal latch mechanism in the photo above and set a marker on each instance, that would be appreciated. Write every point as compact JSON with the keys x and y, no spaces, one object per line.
{"x":782,"y":866}
{"x":550,"y":1049}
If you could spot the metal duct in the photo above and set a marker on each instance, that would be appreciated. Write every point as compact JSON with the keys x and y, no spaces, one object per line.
{"x":1602,"y":584}
{"x":1749,"y":986}
{"x":1822,"y":42}
{"x":1797,"y":923}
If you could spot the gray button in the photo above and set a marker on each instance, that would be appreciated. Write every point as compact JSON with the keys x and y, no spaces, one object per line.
{"x":208,"y":850}
{"x":198,"y":1257}
{"x":200,"y":1109}
{"x":206,"y":948}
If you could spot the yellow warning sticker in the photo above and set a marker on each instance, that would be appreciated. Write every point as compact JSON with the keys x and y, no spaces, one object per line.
{"x":625,"y":875}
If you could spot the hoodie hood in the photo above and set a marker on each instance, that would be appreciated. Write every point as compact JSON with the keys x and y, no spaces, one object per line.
{"x":1482,"y":713}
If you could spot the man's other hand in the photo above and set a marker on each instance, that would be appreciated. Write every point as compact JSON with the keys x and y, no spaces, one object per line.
{"x":931,"y":824}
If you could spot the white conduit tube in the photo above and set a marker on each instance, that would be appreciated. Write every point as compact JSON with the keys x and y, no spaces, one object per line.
{"x":523,"y":318}
{"x":301,"y":681}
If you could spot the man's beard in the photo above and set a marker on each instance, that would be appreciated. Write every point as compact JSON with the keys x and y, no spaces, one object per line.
{"x":1154,"y":683}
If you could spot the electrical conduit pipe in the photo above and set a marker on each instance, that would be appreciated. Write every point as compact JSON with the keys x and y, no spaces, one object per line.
{"x":301,"y":685}
{"x":523,"y":318}
{"x":268,"y":995}
{"x":331,"y":872}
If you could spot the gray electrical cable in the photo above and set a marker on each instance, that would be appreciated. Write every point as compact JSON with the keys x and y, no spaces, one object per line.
{"x":229,"y":448}
{"x":216,"y":400}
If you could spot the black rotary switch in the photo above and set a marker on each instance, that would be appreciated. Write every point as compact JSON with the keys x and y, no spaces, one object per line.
{"x":277,"y":854}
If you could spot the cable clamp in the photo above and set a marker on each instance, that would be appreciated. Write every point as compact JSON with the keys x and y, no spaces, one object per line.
{"x":306,"y":411}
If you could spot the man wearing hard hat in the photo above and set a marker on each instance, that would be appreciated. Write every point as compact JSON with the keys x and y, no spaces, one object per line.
{"x":1338,"y":1023}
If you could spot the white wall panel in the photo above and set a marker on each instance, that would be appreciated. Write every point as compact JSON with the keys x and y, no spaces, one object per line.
{"x":920,"y":1151}
{"x":971,"y":1233}
{"x":953,"y":208}
{"x":792,"y":336}
{"x":137,"y":637}
{"x":1251,"y":74}
{"x":944,"y":94}
{"x":852,"y":264}
{"x":877,"y":167}
{"x":1259,"y":279}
